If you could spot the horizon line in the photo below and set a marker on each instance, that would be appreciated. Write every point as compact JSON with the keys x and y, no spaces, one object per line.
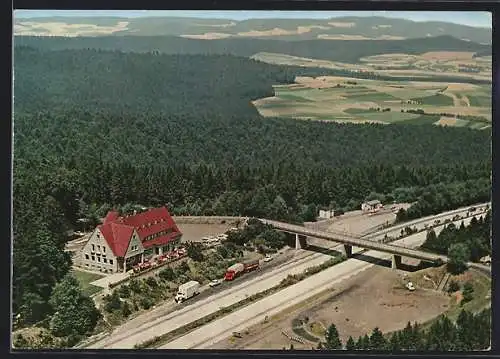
{"x":242,"y":15}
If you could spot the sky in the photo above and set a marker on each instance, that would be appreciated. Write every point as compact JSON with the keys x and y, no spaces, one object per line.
{"x":471,"y":18}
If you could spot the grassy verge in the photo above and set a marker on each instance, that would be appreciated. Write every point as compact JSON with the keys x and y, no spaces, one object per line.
{"x":85,"y":278}
{"x":290,"y":280}
{"x":301,"y":332}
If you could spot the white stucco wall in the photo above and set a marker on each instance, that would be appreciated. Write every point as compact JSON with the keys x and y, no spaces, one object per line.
{"x":98,"y":249}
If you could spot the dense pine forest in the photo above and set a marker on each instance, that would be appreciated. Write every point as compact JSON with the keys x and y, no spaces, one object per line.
{"x":95,"y":129}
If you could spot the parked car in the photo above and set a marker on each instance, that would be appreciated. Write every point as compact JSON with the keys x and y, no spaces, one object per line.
{"x":268,"y":258}
{"x":215,"y":282}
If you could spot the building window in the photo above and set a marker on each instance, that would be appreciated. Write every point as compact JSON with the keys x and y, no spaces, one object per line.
{"x":93,"y":258}
{"x":98,"y":248}
{"x":103,"y":249}
{"x":110,"y":261}
{"x":104,"y":260}
{"x":93,"y":248}
{"x":98,"y":259}
{"x":86,"y":256}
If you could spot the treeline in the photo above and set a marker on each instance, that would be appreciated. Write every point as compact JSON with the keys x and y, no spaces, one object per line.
{"x":334,"y":50}
{"x":151,"y":139}
{"x":420,"y":111}
{"x":462,"y":244}
{"x":444,"y":196}
{"x":285,"y":192}
{"x":471,"y":332}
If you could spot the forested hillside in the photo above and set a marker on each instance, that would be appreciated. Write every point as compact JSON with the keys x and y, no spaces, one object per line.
{"x":95,"y":129}
{"x":349,"y":51}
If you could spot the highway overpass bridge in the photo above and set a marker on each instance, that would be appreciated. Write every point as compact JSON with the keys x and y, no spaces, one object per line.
{"x":350,"y":241}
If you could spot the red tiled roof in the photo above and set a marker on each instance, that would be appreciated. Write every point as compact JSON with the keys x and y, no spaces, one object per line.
{"x":111,"y":217}
{"x":117,"y":236}
{"x":162,"y":240}
{"x":118,"y":230}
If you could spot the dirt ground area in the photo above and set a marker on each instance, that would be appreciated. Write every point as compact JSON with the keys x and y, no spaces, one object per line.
{"x":374,"y":298}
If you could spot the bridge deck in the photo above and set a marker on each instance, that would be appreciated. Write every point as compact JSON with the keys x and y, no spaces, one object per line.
{"x":356,"y":242}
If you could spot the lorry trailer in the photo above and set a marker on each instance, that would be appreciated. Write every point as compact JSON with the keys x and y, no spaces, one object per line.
{"x":187,"y":290}
{"x":238,"y":269}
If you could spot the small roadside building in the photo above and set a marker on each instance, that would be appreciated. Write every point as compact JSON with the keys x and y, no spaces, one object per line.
{"x":371,"y":206}
{"x":485,"y":260}
{"x":326,"y":214}
{"x":122,"y":242}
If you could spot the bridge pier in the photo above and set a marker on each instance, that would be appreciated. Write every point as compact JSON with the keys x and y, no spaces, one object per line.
{"x":396,"y":261}
{"x":300,"y":241}
{"x":347,"y":250}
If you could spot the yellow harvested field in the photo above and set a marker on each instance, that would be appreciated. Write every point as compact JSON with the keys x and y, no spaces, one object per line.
{"x":315,"y":83}
{"x":342,"y":37}
{"x":311,"y":27}
{"x":208,"y":36}
{"x":390,"y":37}
{"x":342,"y":24}
{"x":357,"y":37}
{"x":463,"y":110}
{"x":64,"y":29}
{"x":447,"y":55}
{"x":275,"y":32}
{"x":424,"y":73}
{"x":232,"y":23}
{"x":462,"y":87}
{"x":447,"y":121}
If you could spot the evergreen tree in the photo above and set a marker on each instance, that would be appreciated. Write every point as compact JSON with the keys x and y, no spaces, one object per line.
{"x":350,"y":345}
{"x":377,"y":340}
{"x":458,"y":255}
{"x":332,"y":338}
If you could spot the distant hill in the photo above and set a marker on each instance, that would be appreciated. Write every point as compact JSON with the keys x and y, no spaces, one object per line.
{"x":349,"y":51}
{"x":282,"y":29}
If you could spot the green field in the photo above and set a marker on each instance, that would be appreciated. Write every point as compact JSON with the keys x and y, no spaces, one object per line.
{"x":85,"y":278}
{"x":372,"y":97}
{"x":356,"y":111}
{"x":390,"y":116}
{"x":422,"y":120}
{"x":479,"y":101}
{"x":436,"y":100}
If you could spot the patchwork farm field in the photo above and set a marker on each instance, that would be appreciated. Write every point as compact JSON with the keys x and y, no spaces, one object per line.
{"x":436,"y":63}
{"x":344,"y":99}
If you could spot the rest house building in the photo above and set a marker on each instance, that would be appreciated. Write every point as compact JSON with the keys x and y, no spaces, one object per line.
{"x":121,"y":242}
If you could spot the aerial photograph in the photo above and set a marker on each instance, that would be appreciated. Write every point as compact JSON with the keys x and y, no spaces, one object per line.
{"x":251,"y":180}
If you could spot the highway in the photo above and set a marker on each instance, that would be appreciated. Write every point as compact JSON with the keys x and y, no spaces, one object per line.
{"x":129,"y":334}
{"x":206,"y":336}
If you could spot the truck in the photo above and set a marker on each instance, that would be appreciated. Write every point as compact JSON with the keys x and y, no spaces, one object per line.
{"x":239,"y":268}
{"x":410,"y":286}
{"x":187,"y":290}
